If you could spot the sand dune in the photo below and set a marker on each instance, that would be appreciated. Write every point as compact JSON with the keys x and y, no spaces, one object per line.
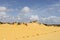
{"x":29,"y":31}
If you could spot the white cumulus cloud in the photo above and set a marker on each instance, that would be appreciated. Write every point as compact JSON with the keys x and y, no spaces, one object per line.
{"x":26,"y":10}
{"x":34,"y":17}
{"x":3,"y":14}
{"x":3,"y":9}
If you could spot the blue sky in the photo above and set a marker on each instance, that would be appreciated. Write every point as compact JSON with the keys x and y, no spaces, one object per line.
{"x":45,"y":11}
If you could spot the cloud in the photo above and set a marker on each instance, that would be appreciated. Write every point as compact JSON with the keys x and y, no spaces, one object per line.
{"x":34,"y":17}
{"x":5,"y":17}
{"x":3,"y":9}
{"x":26,"y":10}
{"x":57,"y":4}
{"x":10,"y":10}
{"x":18,"y":18}
{"x":50,"y":10}
{"x":2,"y":13}
{"x":49,"y":13}
{"x":58,"y":10}
{"x":52,"y":20}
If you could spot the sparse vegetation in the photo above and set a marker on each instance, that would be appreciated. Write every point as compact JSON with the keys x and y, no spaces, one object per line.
{"x":1,"y":23}
{"x":25,"y":24}
{"x":52,"y":25}
{"x":18,"y":23}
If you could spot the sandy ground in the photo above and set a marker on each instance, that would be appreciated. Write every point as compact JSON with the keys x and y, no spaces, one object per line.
{"x":31,"y":31}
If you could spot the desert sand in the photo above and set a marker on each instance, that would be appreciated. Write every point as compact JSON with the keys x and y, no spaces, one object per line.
{"x":31,"y":31}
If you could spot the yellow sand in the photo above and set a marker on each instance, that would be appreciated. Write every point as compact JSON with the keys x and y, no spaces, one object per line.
{"x":33,"y":31}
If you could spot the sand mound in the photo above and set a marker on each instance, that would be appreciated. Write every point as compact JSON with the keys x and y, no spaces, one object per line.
{"x":29,"y":31}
